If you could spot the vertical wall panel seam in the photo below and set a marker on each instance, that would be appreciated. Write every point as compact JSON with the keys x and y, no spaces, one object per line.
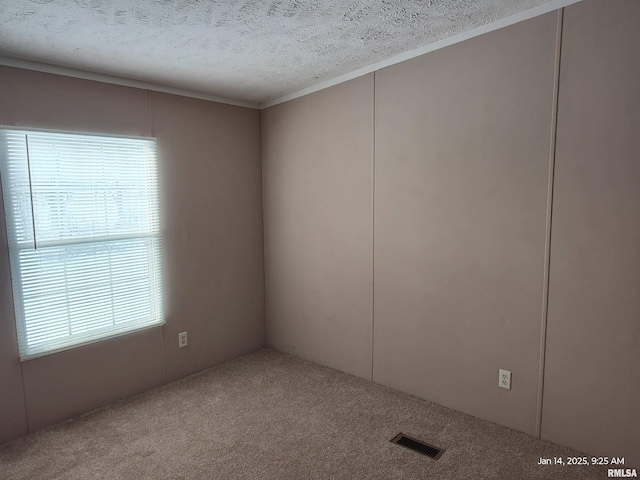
{"x":373,"y":218}
{"x":150,"y":112}
{"x":163,"y":331}
{"x":17,"y":344}
{"x":25,"y":392}
{"x":547,"y":249}
{"x":264,"y":230}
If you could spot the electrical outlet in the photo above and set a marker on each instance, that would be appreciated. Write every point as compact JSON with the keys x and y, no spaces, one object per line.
{"x":182,"y":339}
{"x":504,"y":379}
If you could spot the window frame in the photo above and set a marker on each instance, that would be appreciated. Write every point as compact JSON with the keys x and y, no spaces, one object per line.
{"x":14,"y":249}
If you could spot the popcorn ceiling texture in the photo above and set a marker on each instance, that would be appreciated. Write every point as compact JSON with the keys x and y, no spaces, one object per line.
{"x":247,"y":50}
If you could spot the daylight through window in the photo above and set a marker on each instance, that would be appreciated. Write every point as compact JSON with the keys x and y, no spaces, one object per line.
{"x":83,"y":227}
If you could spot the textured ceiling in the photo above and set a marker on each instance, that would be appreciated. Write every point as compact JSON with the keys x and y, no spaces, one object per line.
{"x":247,"y":50}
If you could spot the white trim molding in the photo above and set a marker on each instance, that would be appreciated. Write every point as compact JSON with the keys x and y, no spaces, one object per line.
{"x":126,"y":82}
{"x":460,"y":37}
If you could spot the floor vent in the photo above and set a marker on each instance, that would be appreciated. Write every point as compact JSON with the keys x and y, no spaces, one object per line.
{"x":418,"y":446}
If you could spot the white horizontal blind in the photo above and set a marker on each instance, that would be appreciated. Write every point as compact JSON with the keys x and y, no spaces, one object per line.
{"x":83,"y":224}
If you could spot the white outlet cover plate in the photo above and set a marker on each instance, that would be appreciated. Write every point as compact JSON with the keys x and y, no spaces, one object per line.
{"x":504,"y":379}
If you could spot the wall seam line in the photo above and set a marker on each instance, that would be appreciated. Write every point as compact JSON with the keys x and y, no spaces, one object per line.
{"x":17,"y":344}
{"x":549,"y":215}
{"x":150,"y":113}
{"x":163,"y":331}
{"x":264,"y":233}
{"x":26,"y":399}
{"x":373,"y":218}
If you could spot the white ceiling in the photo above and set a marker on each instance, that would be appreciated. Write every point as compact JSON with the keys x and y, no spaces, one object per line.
{"x":247,"y":50}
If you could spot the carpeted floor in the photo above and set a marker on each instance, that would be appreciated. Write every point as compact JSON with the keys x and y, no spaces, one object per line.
{"x":272,"y":416}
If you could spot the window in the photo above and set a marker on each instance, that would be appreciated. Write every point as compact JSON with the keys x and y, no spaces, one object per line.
{"x":83,"y":227}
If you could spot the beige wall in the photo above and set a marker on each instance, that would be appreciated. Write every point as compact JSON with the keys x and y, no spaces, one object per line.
{"x":592,"y":384}
{"x":212,"y":182}
{"x":210,"y":178}
{"x":463,"y":150}
{"x":317,"y":163}
{"x":462,"y":159}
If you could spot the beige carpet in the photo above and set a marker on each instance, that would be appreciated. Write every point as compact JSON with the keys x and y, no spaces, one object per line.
{"x":272,"y":416}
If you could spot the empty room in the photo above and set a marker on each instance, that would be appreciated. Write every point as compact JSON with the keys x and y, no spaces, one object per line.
{"x":387,"y":239}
